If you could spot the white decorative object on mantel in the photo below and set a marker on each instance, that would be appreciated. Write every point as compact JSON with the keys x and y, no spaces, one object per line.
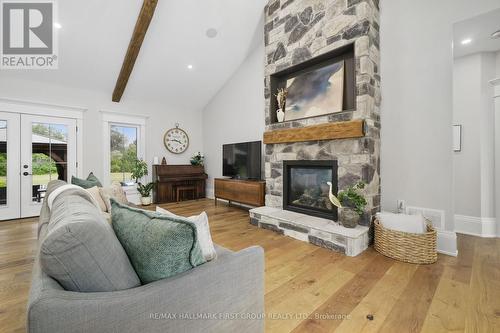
{"x":315,"y":230}
{"x":280,"y":115}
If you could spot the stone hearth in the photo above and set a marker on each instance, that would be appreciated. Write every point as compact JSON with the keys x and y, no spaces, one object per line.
{"x":315,"y":230}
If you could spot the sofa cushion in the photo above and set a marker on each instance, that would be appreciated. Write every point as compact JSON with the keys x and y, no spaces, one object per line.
{"x":158,"y":246}
{"x":91,"y":181}
{"x":81,"y":251}
{"x":203,"y":230}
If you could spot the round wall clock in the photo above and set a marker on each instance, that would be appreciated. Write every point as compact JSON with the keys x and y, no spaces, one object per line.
{"x":176,"y":140}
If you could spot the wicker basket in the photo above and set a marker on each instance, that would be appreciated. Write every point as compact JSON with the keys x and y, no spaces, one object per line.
{"x":406,"y":247}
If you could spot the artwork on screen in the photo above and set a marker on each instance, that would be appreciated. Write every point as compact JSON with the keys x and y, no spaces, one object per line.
{"x":316,"y":92}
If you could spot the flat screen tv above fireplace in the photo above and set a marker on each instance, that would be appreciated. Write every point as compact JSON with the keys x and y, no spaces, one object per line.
{"x":305,"y":188}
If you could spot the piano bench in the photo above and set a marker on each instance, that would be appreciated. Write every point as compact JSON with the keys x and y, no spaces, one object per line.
{"x":182,"y":189}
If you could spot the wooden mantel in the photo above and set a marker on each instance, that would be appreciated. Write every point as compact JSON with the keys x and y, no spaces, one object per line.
{"x":329,"y":131}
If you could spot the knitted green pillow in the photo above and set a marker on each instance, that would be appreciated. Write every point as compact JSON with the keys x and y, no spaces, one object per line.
{"x":90,"y":182}
{"x":157,"y":245}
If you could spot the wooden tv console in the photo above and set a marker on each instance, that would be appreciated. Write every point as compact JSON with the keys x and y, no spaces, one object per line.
{"x":249,"y":192}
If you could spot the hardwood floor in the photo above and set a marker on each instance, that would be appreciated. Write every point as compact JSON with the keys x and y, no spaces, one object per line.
{"x":310,"y":289}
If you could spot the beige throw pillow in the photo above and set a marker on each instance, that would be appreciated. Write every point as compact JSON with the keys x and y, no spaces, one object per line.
{"x":114,"y":191}
{"x":203,"y":231}
{"x":95,"y":193}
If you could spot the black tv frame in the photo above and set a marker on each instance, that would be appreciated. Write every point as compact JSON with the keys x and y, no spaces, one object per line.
{"x":260,"y":160}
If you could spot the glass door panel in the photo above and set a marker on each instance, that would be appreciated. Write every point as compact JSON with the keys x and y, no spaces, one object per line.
{"x":9,"y":166}
{"x":48,"y":153}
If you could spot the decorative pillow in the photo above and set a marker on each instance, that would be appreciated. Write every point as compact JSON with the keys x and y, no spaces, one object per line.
{"x":81,"y":251}
{"x":114,"y":191}
{"x":95,"y":193}
{"x":203,"y":229}
{"x":414,"y":224}
{"x":91,"y":181}
{"x":158,"y":246}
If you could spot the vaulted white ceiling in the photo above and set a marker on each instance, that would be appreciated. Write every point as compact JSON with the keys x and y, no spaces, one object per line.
{"x":95,"y":35}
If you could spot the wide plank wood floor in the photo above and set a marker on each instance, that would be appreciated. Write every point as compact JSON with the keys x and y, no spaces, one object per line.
{"x":310,"y":289}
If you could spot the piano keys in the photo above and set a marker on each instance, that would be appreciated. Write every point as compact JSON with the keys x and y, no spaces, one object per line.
{"x":169,"y":178}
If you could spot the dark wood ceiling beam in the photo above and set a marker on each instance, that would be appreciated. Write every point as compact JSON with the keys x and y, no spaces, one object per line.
{"x":134,"y":47}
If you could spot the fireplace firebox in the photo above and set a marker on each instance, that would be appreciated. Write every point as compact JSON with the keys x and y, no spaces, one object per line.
{"x":305,"y":188}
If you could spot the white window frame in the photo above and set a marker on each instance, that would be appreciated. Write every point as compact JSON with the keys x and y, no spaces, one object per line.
{"x":120,"y":119}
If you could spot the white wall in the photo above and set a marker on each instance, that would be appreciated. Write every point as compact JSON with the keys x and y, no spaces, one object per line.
{"x":236,"y":113}
{"x":416,"y":110}
{"x":162,"y":117}
{"x":497,"y":144}
{"x":474,"y":166}
{"x":466,"y":112}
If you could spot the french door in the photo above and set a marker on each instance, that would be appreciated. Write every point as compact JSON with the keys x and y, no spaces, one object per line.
{"x":38,"y":149}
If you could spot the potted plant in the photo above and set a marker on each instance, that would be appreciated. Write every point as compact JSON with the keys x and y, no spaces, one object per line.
{"x":198,"y":159}
{"x":139,"y":170}
{"x":351,"y":204}
{"x":145,"y":192}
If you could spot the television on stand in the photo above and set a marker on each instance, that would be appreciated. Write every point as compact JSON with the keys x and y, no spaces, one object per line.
{"x":242,"y":160}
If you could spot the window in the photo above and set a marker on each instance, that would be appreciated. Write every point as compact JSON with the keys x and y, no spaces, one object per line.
{"x":123,"y":149}
{"x":124,"y":137}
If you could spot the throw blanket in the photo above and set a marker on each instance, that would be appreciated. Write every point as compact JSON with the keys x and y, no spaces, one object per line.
{"x":76,"y":190}
{"x":54,"y":189}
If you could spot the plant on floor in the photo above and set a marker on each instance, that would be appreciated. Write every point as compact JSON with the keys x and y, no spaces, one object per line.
{"x":145,"y":192}
{"x":139,"y":170}
{"x":198,"y":159}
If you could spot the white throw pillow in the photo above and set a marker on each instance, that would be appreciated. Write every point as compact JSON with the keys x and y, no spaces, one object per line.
{"x":414,"y":224}
{"x":203,"y":231}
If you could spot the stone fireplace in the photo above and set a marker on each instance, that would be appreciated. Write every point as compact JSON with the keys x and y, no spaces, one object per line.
{"x":298,"y":33}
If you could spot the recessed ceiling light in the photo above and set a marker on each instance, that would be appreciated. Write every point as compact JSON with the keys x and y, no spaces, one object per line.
{"x":496,"y":34}
{"x":211,"y":33}
{"x":466,"y":41}
{"x":190,"y":66}
{"x":57,"y":25}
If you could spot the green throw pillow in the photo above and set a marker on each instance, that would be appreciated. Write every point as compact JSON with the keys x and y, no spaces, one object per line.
{"x":157,"y":245}
{"x":90,"y":182}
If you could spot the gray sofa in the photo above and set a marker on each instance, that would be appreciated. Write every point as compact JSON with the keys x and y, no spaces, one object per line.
{"x":224,"y":295}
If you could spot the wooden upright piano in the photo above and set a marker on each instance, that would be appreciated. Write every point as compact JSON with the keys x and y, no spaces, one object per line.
{"x":170,"y":178}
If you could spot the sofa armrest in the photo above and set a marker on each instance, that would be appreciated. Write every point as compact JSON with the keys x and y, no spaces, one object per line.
{"x":225,"y":295}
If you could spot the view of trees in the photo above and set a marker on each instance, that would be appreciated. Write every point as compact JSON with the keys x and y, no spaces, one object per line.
{"x":123,"y":153}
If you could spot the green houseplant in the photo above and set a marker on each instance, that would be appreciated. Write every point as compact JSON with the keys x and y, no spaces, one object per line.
{"x":351,"y":204}
{"x":198,"y":159}
{"x":145,"y":192}
{"x":139,"y":170}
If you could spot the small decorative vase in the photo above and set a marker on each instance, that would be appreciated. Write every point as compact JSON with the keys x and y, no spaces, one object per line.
{"x":146,"y":201}
{"x":281,"y":115}
{"x":349,"y":218}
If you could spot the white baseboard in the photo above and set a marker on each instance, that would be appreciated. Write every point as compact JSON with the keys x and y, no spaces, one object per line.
{"x":447,"y":243}
{"x":476,"y":226}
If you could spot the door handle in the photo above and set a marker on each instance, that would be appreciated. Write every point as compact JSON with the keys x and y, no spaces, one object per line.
{"x":26,"y":173}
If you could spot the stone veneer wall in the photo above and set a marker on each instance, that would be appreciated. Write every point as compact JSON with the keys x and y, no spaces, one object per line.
{"x":297,"y":30}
